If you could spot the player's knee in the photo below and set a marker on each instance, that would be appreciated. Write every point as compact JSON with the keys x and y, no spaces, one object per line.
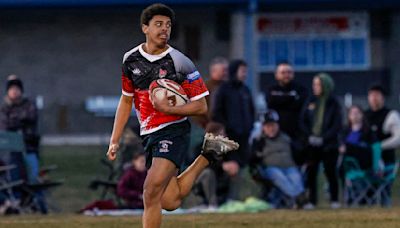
{"x":152,"y":193}
{"x":171,"y":205}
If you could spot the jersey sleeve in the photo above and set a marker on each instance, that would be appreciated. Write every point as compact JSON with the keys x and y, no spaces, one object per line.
{"x":127,"y":84}
{"x":194,"y":86}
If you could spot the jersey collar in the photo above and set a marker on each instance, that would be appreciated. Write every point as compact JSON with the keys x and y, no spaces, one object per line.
{"x":153,"y":58}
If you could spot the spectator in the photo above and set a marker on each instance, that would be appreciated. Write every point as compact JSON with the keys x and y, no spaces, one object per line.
{"x":385,"y":123}
{"x":321,"y":122}
{"x":218,"y":74}
{"x":218,"y":182}
{"x":287,"y":98}
{"x":358,"y":138}
{"x":130,"y":186}
{"x":233,"y":107}
{"x":19,"y":114}
{"x":273,"y":150}
{"x":206,"y":185}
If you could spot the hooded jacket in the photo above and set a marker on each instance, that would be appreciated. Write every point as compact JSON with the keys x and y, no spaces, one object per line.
{"x":322,"y":116}
{"x":233,"y":105}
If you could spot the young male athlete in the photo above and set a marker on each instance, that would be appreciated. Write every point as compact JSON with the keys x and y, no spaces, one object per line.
{"x":164,"y":128}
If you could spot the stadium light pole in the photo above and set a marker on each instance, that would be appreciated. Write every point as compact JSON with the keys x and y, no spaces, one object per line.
{"x":251,"y":80}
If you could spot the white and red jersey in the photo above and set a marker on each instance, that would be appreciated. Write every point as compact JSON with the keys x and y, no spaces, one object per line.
{"x":139,"y":69}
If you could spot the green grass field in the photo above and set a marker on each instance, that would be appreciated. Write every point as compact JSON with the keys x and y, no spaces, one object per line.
{"x":79,"y":165}
{"x":362,"y":218}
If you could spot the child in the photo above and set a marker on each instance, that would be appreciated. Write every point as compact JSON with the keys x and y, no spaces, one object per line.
{"x":130,"y":186}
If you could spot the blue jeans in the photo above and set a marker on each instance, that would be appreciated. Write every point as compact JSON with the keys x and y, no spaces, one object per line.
{"x":288,"y":180}
{"x":32,"y":163}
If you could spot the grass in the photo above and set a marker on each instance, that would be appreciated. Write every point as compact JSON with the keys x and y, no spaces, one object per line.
{"x":77,"y":166}
{"x":362,"y":218}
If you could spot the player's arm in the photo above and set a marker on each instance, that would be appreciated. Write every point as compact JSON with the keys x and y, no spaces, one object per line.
{"x":121,"y":117}
{"x":197,"y":107}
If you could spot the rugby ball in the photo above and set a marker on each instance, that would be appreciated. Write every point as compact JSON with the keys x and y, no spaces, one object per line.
{"x":175,"y":93}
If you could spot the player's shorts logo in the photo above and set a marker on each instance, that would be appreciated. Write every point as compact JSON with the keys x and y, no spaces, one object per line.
{"x":164,"y":144}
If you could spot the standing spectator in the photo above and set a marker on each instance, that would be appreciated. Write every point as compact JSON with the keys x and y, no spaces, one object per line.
{"x":385,"y":123}
{"x":130,"y":186}
{"x":321,"y":122}
{"x":218,"y":74}
{"x":233,"y":107}
{"x":287,"y":98}
{"x":19,"y":114}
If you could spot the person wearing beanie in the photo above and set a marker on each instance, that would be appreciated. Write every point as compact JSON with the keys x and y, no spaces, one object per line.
{"x":19,"y":114}
{"x":321,"y":123}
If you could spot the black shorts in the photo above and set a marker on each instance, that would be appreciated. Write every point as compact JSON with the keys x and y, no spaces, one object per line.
{"x":171,"y":142}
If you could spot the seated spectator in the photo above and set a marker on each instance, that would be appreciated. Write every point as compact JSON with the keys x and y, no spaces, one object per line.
{"x":220,"y":181}
{"x":130,"y":186}
{"x":273,"y":150}
{"x":358,"y":138}
{"x":19,"y":114}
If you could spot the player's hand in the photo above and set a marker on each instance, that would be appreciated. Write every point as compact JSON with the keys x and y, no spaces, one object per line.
{"x":112,"y":152}
{"x":161,"y":104}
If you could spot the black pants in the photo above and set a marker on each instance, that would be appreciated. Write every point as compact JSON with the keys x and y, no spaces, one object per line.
{"x":329,"y":160}
{"x":241,"y":155}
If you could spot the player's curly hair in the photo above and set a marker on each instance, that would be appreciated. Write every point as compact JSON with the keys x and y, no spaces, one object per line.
{"x":156,"y":9}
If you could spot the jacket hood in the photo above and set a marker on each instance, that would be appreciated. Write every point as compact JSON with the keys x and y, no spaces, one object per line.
{"x":234,"y":67}
{"x":328,"y":85}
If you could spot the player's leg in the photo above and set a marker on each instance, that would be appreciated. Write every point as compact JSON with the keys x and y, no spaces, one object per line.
{"x":158,"y":177}
{"x":179,"y":187}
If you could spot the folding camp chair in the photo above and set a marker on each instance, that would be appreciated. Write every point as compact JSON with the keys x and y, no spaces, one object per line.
{"x":108,"y":185}
{"x":364,"y":186}
{"x":11,"y":146}
{"x":382,"y":184}
{"x":357,"y":184}
{"x":22,"y":194}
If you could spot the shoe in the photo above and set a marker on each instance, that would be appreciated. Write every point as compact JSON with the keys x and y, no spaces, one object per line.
{"x":335,"y":205}
{"x":216,"y":146}
{"x":301,"y":200}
